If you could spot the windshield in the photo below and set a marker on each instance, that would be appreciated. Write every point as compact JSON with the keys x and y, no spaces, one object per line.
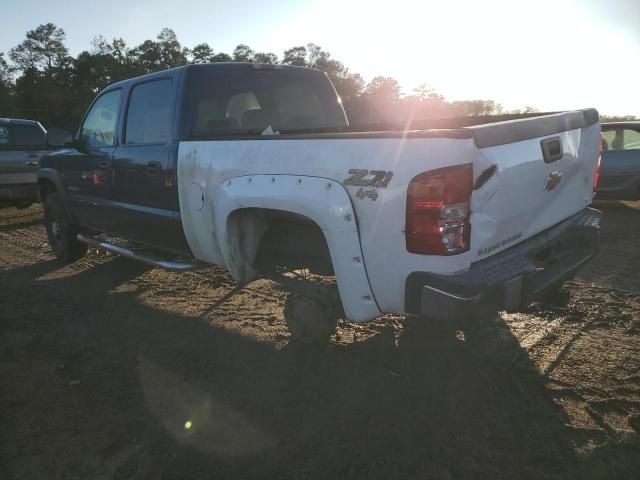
{"x":255,"y":102}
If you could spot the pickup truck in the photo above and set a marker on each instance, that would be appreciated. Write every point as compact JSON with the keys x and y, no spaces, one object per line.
{"x":22,"y":143}
{"x":255,"y":168}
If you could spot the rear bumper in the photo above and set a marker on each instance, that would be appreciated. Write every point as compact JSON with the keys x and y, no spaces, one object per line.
{"x":510,"y":279}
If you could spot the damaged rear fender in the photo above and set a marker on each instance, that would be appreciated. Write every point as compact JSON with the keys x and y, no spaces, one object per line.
{"x":238,"y":230}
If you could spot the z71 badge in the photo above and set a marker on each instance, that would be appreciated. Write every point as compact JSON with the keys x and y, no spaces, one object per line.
{"x":368,"y":178}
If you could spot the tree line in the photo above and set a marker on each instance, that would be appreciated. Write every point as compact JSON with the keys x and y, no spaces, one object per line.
{"x":40,"y":80}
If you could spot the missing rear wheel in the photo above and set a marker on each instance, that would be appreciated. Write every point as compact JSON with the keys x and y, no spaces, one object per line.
{"x":309,"y":318}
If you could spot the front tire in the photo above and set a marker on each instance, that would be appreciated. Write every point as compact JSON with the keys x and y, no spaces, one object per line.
{"x":61,"y":235}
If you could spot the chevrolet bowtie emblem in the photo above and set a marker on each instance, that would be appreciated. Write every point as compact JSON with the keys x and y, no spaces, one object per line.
{"x":552,"y":180}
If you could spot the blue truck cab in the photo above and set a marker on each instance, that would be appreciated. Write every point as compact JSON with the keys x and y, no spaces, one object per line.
{"x":118,"y":177}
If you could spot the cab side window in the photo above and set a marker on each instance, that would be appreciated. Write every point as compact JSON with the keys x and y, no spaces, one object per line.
{"x":607,"y":139}
{"x":99,"y":128}
{"x":4,"y":136}
{"x":149,"y":113}
{"x":621,"y":139}
{"x":28,"y":135}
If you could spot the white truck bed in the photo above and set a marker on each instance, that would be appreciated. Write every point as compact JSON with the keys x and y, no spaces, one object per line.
{"x":522,"y":194}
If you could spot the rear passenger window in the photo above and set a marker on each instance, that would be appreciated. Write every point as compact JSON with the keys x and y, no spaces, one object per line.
{"x":621,"y":139}
{"x":148,"y":116}
{"x":4,"y":136}
{"x":607,"y":139}
{"x":28,"y":135}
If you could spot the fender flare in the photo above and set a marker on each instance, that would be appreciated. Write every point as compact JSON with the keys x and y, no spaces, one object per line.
{"x":323,"y":201}
{"x":54,"y":176}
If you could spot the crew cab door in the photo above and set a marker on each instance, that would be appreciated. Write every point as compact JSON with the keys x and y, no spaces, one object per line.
{"x":144,"y":189}
{"x":87,"y":171}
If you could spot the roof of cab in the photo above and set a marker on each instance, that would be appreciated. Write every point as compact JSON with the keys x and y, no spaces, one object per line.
{"x":222,"y":66}
{"x":629,"y":123}
{"x":17,"y":121}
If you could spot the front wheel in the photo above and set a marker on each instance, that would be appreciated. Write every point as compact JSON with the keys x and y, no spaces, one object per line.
{"x":61,"y":235}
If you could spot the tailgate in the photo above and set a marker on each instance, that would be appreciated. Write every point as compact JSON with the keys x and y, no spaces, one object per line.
{"x":529,"y":175}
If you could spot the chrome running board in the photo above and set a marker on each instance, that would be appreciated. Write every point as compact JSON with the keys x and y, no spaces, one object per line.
{"x":176,"y":265}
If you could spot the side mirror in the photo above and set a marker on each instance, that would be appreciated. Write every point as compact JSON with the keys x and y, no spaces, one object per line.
{"x":59,"y":138}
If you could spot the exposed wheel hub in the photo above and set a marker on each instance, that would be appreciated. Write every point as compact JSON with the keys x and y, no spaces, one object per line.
{"x":308,"y":318}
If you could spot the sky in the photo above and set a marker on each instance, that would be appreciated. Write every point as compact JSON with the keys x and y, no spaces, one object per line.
{"x":548,"y":54}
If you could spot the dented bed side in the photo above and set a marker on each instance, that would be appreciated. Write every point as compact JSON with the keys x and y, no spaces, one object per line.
{"x":209,"y":170}
{"x":510,"y":204}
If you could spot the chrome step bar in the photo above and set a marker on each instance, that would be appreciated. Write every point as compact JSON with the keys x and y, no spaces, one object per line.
{"x":175,"y":265}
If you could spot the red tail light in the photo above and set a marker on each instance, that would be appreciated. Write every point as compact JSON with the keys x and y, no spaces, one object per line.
{"x":438,"y":211}
{"x":596,"y":176}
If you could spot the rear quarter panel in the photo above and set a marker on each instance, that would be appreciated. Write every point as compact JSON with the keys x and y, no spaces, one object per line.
{"x":205,"y":165}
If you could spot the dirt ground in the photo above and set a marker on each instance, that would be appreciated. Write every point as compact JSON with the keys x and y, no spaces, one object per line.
{"x":113,"y":370}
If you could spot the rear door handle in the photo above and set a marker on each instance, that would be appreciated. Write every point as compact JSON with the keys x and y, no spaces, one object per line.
{"x":153,"y":168}
{"x":104,"y":164}
{"x":30,"y":162}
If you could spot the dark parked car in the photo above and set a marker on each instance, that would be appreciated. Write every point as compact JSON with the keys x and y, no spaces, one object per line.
{"x":22,"y":143}
{"x":620,"y":169}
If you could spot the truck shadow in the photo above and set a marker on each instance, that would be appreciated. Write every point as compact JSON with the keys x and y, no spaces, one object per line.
{"x":144,"y":393}
{"x":20,"y":225}
{"x":628,"y":207}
